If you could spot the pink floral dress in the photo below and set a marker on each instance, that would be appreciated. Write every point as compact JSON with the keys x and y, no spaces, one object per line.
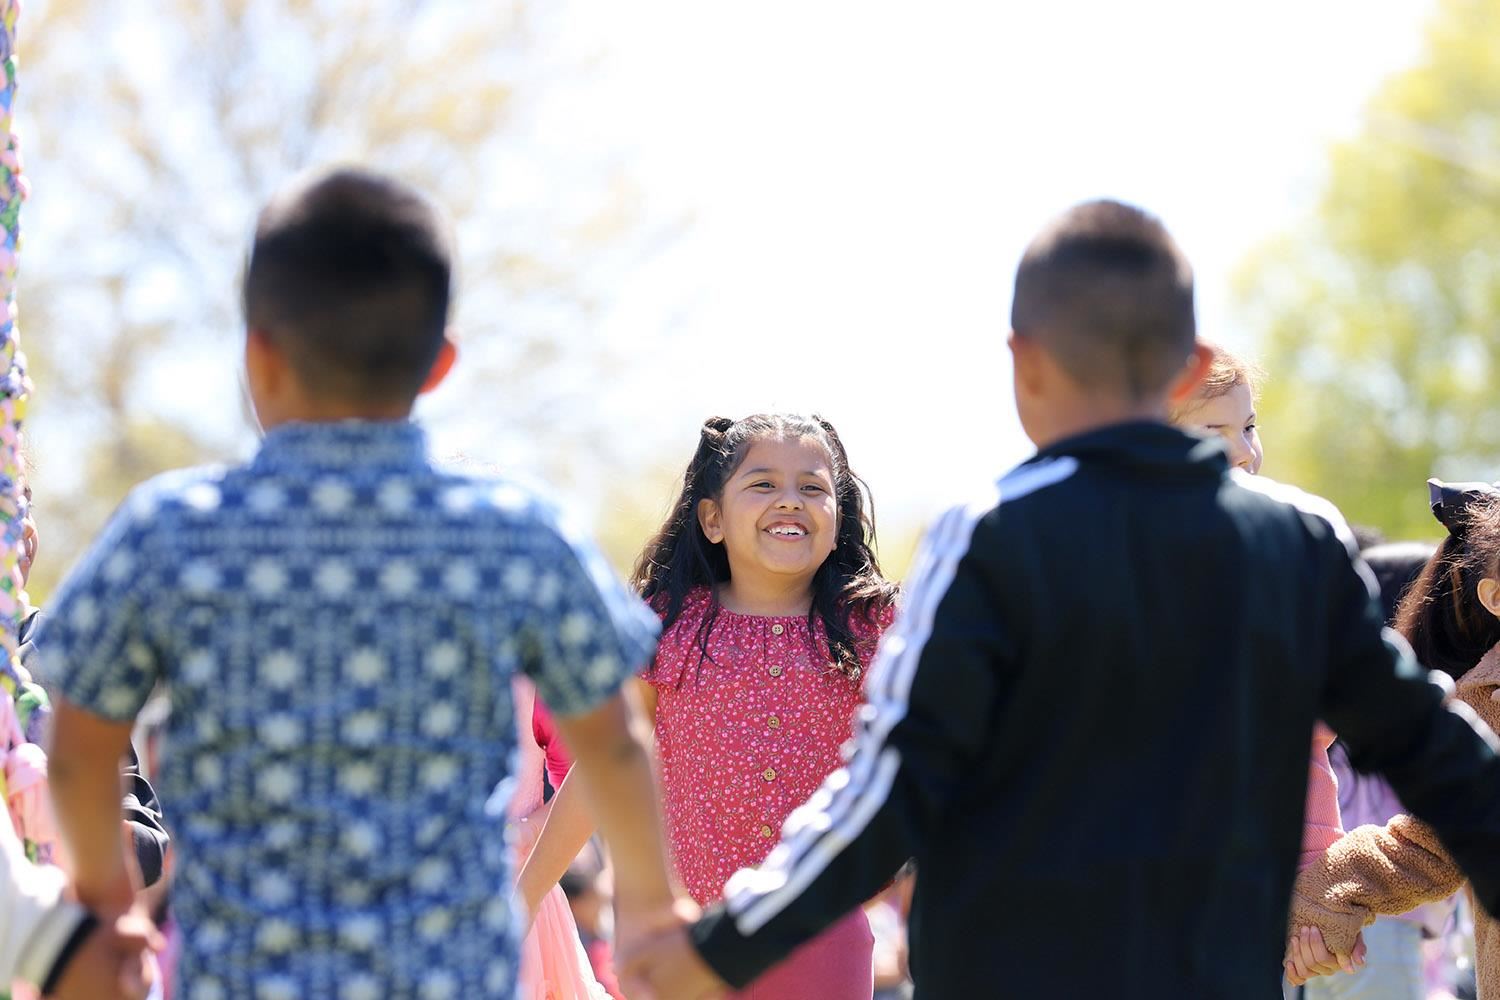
{"x":745,"y":735}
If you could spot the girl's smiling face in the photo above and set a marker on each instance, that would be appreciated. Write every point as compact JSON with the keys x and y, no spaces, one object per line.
{"x":777,"y":514}
{"x":1232,"y":417}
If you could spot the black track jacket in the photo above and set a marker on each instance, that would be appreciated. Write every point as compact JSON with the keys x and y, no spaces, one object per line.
{"x":1090,"y":726}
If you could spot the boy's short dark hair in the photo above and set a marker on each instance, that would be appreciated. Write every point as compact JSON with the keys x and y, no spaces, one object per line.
{"x":1105,"y":289}
{"x":350,"y":275}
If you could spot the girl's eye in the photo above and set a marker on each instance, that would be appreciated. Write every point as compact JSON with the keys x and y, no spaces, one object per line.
{"x":760,"y":485}
{"x":1249,"y":428}
{"x":814,"y":487}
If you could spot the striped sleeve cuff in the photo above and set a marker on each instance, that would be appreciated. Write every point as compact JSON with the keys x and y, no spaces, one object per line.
{"x":54,"y":932}
{"x":736,"y":959}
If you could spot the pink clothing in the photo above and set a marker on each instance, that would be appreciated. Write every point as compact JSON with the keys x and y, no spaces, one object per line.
{"x":29,"y":803}
{"x":835,"y":965}
{"x":603,"y":959}
{"x":744,"y":736}
{"x":553,"y":963}
{"x":1321,"y":823}
{"x":1367,"y":800}
{"x":544,"y":731}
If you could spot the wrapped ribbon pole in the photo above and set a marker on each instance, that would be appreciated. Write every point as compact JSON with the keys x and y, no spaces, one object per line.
{"x":23,"y":705}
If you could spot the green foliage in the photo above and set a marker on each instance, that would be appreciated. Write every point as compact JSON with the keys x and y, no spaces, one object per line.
{"x":1380,"y":317}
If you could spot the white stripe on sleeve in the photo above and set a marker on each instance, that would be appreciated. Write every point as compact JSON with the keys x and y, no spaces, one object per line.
{"x":819,"y":830}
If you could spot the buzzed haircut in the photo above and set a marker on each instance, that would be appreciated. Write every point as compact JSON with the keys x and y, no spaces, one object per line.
{"x":350,"y":275}
{"x":1106,"y":291}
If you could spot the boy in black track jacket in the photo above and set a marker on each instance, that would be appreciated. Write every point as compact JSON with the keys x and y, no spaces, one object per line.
{"x":1090,"y":722}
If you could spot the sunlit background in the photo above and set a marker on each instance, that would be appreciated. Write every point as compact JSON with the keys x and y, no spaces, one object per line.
{"x":669,"y":209}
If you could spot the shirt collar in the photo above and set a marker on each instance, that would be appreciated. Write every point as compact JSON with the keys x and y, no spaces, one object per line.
{"x":1144,"y":443}
{"x":343,"y":444}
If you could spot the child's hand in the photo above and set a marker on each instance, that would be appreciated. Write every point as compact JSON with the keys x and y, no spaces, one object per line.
{"x":1307,"y":956}
{"x":654,"y":958}
{"x":528,"y":828}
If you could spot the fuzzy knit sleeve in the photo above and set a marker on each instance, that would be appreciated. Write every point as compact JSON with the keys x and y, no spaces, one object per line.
{"x":1382,"y":869}
{"x":1373,"y":870}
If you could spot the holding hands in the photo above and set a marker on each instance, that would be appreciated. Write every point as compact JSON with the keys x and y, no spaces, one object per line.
{"x":655,"y":959}
{"x":1307,"y":956}
{"x":115,"y":960}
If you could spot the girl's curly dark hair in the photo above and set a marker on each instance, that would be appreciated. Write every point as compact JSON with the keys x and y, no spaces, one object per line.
{"x":1441,"y":614}
{"x":680,"y":557}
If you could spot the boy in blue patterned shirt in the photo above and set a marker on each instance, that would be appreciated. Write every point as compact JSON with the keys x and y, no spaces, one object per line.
{"x":337,"y":623}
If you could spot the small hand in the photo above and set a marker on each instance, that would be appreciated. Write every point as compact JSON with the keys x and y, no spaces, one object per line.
{"x":115,"y":960}
{"x":528,"y":828}
{"x":637,"y":927}
{"x":668,"y":967}
{"x":1307,"y":956}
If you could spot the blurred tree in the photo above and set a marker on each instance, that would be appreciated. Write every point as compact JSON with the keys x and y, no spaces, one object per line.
{"x":1380,"y":317}
{"x":151,"y":137}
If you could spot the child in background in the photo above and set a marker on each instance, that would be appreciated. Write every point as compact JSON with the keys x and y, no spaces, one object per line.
{"x":772,"y":603}
{"x":586,"y":885}
{"x":1223,"y":405}
{"x":142,"y":811}
{"x":554,"y":965}
{"x":1396,"y":966}
{"x":888,"y":914}
{"x":1451,"y":617}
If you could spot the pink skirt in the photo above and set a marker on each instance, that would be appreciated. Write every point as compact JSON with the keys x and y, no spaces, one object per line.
{"x":836,"y":965}
{"x":554,"y":965}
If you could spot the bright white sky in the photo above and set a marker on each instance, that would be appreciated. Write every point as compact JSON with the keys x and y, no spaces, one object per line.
{"x":864,"y":177}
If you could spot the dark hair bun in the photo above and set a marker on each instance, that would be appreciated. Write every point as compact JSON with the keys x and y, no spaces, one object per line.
{"x":1451,"y":502}
{"x":714,"y":428}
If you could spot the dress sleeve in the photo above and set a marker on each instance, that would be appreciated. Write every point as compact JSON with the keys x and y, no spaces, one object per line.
{"x":544,"y":730}
{"x":1322,"y":823}
{"x":664,"y":669}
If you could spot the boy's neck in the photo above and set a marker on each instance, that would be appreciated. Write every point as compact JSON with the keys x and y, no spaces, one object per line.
{"x":1085,"y":413}
{"x":334,"y":411}
{"x":769,"y":596}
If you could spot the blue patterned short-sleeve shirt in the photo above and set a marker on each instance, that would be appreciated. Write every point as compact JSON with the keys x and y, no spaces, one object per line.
{"x":337,"y":624}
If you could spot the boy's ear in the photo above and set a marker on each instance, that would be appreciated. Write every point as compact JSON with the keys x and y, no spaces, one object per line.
{"x":711,"y":520}
{"x":1024,"y":361}
{"x":1192,"y":374}
{"x":1489,"y":595}
{"x":441,"y":366}
{"x":265,"y":366}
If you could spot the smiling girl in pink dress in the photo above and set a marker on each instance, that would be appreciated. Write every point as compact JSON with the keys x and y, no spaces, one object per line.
{"x":772,"y":604}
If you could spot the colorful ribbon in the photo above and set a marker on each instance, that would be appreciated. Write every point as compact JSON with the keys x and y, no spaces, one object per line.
{"x":23,"y":705}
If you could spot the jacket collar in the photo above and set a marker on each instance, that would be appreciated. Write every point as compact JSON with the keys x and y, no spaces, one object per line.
{"x":1144,"y":443}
